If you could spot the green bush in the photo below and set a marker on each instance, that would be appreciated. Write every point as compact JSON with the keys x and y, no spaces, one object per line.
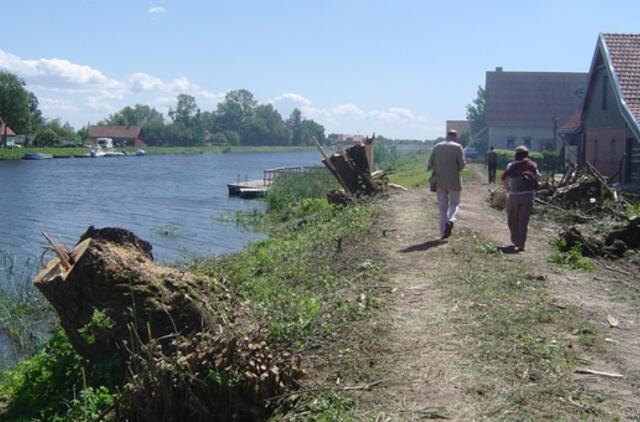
{"x":573,"y":258}
{"x":548,"y":161}
{"x":40,"y":387}
{"x":288,"y":190}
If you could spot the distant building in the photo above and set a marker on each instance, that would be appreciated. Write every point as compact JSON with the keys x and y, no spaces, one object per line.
{"x":10,"y":136}
{"x":528,"y":108}
{"x":122,"y":135}
{"x":347,"y":139}
{"x":350,"y":138}
{"x":9,"y":131}
{"x":606,"y":132}
{"x":460,"y":126}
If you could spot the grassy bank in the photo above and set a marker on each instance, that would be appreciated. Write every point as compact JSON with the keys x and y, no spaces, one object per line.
{"x":410,"y":171}
{"x":310,"y":283}
{"x":18,"y":153}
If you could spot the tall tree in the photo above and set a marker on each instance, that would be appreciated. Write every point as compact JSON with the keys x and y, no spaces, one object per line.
{"x":475,"y":111}
{"x":294,"y":124}
{"x":17,"y":105}
{"x":185,"y":111}
{"x":235,"y":111}
{"x":138,"y":115}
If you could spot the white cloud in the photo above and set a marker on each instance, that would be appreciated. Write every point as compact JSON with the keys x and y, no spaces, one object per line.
{"x":140,"y":82}
{"x":345,"y":110}
{"x":54,"y":69}
{"x":56,"y":105}
{"x":290,"y":97}
{"x":156,"y":10}
{"x":66,"y":87}
{"x":79,"y":93}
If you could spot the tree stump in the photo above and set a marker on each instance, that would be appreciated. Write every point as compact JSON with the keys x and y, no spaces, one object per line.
{"x":114,"y":295}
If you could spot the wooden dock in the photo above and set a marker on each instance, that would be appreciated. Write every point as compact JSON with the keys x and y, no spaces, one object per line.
{"x":249,"y":189}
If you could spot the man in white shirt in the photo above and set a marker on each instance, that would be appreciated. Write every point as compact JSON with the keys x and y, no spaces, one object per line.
{"x":446,"y":162}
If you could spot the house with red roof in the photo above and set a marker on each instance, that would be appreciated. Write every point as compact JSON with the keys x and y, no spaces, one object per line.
{"x":9,"y":131}
{"x":607,"y":131}
{"x":10,"y":136}
{"x":121,"y":135}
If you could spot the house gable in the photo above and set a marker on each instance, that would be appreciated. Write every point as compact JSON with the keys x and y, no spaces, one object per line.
{"x":617,"y":56}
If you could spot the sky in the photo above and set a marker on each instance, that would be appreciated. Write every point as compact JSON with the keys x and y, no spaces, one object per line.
{"x":397,"y":68}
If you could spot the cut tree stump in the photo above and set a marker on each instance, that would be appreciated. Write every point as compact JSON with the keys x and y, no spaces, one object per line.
{"x":113,"y":272}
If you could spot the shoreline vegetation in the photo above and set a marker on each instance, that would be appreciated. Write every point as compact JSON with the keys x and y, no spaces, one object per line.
{"x":18,"y":153}
{"x":309,"y":284}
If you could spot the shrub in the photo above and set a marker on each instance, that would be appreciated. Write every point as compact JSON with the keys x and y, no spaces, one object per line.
{"x":289,"y":190}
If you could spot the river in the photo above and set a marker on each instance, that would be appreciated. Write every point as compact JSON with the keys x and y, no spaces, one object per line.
{"x":174,"y":202}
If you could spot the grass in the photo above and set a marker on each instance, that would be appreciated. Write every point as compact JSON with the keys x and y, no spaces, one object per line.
{"x":411,"y":171}
{"x":573,"y":258}
{"x":289,"y":190}
{"x":24,"y":313}
{"x":18,"y":153}
{"x":520,"y":343}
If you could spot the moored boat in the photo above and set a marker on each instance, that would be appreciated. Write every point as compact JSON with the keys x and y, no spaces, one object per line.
{"x":36,"y":156}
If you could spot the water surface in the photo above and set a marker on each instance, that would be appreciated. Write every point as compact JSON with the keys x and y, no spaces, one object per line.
{"x":174,"y":202}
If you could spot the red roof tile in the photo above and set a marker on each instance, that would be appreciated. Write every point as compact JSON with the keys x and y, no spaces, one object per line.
{"x":9,"y":131}
{"x":119,"y":132}
{"x":571,"y":125}
{"x":624,"y":54}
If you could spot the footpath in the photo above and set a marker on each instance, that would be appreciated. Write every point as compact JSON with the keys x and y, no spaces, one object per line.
{"x":475,"y":334}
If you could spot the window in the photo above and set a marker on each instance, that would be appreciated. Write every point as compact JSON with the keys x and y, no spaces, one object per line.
{"x":605,"y":86}
{"x":527,"y":142}
{"x":511,"y":142}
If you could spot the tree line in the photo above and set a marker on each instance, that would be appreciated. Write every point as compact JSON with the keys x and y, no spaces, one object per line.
{"x":238,"y":120}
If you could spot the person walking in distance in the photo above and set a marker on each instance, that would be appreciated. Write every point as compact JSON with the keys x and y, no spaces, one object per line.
{"x":492,"y":165}
{"x":446,"y":162}
{"x":521,"y":178}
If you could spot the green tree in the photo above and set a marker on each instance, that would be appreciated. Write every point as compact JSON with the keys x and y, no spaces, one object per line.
{"x":186,"y":110}
{"x":18,"y":107}
{"x":47,"y":137}
{"x":235,"y":111}
{"x":138,"y":115}
{"x":476,"y":112}
{"x":310,"y":130}
{"x":294,"y":124}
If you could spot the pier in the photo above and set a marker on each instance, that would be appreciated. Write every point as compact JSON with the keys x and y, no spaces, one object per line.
{"x":249,"y":189}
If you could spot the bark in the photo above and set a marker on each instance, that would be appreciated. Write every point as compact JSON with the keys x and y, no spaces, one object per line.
{"x":113,"y":272}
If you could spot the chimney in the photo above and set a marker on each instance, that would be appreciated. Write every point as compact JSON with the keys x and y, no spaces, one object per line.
{"x":499,"y":69}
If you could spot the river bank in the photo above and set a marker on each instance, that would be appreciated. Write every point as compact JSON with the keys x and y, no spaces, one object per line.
{"x":305,"y":283}
{"x":58,"y":152}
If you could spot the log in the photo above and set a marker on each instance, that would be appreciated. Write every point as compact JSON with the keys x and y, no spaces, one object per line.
{"x":113,"y":272}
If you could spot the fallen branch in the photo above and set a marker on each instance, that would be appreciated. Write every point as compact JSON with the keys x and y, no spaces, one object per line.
{"x":599,"y":373}
{"x":396,"y":186}
{"x":319,"y":389}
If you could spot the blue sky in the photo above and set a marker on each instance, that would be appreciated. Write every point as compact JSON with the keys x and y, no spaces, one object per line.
{"x":399,"y":68}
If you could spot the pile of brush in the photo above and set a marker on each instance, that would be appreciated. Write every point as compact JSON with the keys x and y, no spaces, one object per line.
{"x":353,"y":168}
{"x":583,"y":189}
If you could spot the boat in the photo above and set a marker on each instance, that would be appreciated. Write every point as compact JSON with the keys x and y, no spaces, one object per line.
{"x":114,"y":153}
{"x":97,"y":152}
{"x":141,"y":153}
{"x":37,"y":156}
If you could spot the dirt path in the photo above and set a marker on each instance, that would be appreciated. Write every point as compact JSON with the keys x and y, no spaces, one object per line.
{"x":431,"y":371}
